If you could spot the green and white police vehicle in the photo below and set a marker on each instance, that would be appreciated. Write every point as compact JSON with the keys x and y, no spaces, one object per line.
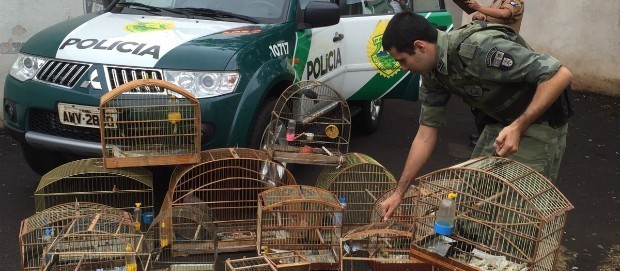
{"x":235,"y":56}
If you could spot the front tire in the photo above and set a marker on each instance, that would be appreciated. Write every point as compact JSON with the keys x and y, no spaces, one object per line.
{"x":370,"y":115}
{"x":260,"y":124}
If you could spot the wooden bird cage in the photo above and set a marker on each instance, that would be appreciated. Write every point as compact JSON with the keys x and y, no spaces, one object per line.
{"x":88,"y":181}
{"x":38,"y":231}
{"x":259,"y":263}
{"x":227,"y":182}
{"x":300,"y":218}
{"x":181,"y":238}
{"x":382,"y":246}
{"x":149,"y":122}
{"x":507,"y":214}
{"x":288,"y":261}
{"x":405,"y":211}
{"x":310,"y":124}
{"x":360,"y":180}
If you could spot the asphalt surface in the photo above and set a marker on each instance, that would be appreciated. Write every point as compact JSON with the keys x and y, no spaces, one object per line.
{"x":589,"y":176}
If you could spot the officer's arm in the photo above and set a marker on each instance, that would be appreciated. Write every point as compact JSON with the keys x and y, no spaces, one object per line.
{"x":546,"y":93}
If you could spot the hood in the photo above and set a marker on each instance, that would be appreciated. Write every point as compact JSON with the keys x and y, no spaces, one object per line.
{"x":129,"y":40}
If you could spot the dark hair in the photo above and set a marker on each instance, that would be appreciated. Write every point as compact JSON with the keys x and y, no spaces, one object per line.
{"x":405,"y":28}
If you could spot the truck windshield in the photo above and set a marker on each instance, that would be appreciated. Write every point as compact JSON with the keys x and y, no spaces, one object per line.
{"x":254,"y":11}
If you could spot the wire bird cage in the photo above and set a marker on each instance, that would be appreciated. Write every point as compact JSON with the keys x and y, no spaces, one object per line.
{"x":359,"y":180}
{"x":382,"y":246}
{"x":88,"y":181}
{"x":508,"y":216}
{"x":38,"y":231}
{"x":226,"y":183}
{"x":80,"y":236}
{"x":300,"y":218}
{"x":149,"y":122}
{"x":288,"y":261}
{"x":259,"y":263}
{"x":310,"y":124}
{"x":405,"y":211}
{"x":181,"y":238}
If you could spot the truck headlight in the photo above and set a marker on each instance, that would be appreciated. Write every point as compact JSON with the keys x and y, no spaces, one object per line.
{"x":26,"y":66}
{"x":204,"y":84}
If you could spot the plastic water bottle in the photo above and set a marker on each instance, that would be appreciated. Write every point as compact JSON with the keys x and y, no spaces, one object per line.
{"x":163,"y":235}
{"x":290,"y":131}
{"x":137,"y":216}
{"x":338,"y":216}
{"x":130,"y":260}
{"x":444,"y":219}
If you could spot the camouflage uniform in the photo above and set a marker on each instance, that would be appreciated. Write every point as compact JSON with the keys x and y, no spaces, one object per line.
{"x":490,"y":70}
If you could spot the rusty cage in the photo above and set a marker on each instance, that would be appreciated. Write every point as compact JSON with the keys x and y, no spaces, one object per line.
{"x":259,"y":263}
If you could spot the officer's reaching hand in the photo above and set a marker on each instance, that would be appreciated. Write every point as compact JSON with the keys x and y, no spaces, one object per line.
{"x":472,"y":4}
{"x":389,"y":205}
{"x":507,"y":142}
{"x":479,"y":17}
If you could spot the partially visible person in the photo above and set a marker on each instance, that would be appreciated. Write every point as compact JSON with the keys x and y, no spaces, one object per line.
{"x":398,"y":5}
{"x":508,"y":12}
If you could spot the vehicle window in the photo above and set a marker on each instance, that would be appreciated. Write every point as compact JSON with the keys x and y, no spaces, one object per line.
{"x":428,"y":5}
{"x":267,"y":11}
{"x":367,"y":7}
{"x":304,"y":3}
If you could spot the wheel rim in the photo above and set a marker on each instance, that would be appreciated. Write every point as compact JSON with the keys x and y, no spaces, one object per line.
{"x":375,"y":109}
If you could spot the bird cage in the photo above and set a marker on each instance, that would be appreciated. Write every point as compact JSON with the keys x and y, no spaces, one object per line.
{"x":507,"y":215}
{"x":227,"y":182}
{"x":382,"y":246}
{"x":181,"y":238}
{"x":360,"y":180}
{"x":149,"y":122}
{"x":259,"y":263}
{"x":405,"y":211}
{"x":88,"y":181}
{"x":300,"y":218}
{"x":310,"y":124}
{"x":288,"y":261}
{"x":38,"y":231}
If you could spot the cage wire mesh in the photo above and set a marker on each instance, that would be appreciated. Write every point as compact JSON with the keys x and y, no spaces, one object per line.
{"x":381,"y":246}
{"x":38,"y":231}
{"x":300,"y":218}
{"x":310,"y":124}
{"x":226,"y":183}
{"x":88,"y":181}
{"x":92,"y":237}
{"x":360,"y":180}
{"x":149,"y":122}
{"x":508,"y":216}
{"x":405,"y":211}
{"x":288,"y":261}
{"x":259,"y":263}
{"x":181,"y":238}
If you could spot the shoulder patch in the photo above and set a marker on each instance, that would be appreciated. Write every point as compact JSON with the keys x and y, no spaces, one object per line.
{"x":473,"y":90}
{"x":498,"y":59}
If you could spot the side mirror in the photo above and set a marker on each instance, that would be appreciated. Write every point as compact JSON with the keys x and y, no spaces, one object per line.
{"x":319,"y":14}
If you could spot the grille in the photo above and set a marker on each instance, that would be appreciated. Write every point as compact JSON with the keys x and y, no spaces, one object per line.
{"x":118,"y":76}
{"x":48,"y":122}
{"x":62,"y":73}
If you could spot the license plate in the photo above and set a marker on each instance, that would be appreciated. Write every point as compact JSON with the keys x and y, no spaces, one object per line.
{"x":84,"y":116}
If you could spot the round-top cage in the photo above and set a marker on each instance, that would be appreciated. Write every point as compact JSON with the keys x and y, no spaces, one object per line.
{"x":405,"y":211}
{"x":310,"y":124}
{"x":38,"y":231}
{"x":88,"y":181}
{"x":381,"y":246}
{"x":227,"y":182}
{"x":149,"y":122}
{"x":181,"y":236}
{"x":300,"y":218}
{"x":359,"y":180}
{"x":506,"y":212}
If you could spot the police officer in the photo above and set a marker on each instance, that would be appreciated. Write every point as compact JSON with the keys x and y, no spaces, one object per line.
{"x":508,"y":12}
{"x":490,"y":68}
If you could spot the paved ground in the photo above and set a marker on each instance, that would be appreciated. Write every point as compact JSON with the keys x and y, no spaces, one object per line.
{"x":589,"y":177}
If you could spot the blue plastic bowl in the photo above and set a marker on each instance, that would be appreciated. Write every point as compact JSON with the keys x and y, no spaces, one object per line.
{"x":443,"y":230}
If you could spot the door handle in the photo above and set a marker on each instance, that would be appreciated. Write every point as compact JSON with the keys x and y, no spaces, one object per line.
{"x":338,"y":37}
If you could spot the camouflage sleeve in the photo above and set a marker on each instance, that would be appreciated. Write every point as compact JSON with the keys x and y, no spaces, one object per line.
{"x":491,"y":56}
{"x":433,"y":98}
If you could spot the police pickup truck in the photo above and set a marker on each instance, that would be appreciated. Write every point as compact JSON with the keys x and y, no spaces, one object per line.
{"x":235,"y":56}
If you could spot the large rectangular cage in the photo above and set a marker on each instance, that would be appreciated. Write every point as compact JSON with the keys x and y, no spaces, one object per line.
{"x":507,"y":215}
{"x":149,"y":122}
{"x":288,"y":261}
{"x":226,"y":183}
{"x":301,"y":218}
{"x":310,"y":124}
{"x":358,"y":181}
{"x":88,"y":181}
{"x":39,"y":231}
{"x":259,"y":263}
{"x":181,"y":238}
{"x":382,"y":246}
